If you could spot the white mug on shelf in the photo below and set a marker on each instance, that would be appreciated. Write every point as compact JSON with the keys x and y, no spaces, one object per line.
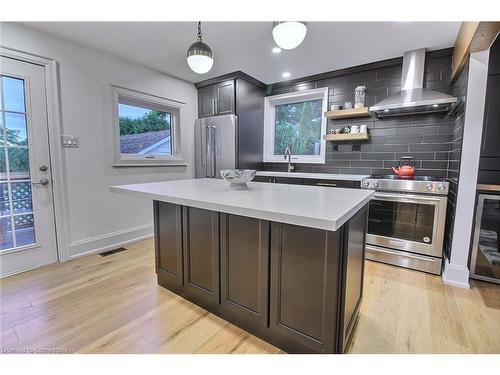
{"x":363,"y":129}
{"x":354,"y":129}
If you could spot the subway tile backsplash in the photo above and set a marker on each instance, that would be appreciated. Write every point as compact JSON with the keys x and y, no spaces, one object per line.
{"x":428,"y":138}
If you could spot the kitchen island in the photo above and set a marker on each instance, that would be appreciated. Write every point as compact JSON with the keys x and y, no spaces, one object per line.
{"x":283,"y":262}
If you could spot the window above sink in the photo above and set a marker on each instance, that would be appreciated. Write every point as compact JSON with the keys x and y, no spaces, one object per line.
{"x":295,"y":120}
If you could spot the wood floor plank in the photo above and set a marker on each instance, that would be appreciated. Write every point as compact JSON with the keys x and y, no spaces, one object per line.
{"x":113,"y":304}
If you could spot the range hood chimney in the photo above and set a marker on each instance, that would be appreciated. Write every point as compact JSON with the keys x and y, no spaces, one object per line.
{"x":413,"y":97}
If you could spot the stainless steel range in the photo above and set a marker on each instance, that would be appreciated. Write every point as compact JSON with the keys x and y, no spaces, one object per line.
{"x":406,"y":221}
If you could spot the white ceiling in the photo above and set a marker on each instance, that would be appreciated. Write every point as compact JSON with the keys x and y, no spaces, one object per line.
{"x":246,"y":46}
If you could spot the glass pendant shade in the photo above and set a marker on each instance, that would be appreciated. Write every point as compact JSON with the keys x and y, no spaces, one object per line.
{"x":289,"y":34}
{"x":199,"y":55}
{"x":200,"y":58}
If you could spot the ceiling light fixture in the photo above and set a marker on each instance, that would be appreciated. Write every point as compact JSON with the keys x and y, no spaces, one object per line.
{"x":285,"y":75}
{"x":199,"y":55}
{"x":289,"y":34}
{"x":276,"y":50}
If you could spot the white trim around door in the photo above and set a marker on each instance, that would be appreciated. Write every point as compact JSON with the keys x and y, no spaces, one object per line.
{"x":60,"y":197}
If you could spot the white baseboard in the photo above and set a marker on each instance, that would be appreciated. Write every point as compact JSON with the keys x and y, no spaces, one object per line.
{"x":456,"y":275}
{"x":109,"y":241}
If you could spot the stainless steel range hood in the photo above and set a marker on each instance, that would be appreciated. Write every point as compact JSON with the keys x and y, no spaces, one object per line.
{"x":413,"y":97}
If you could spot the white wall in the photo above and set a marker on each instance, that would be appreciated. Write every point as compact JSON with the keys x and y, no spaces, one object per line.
{"x":99,"y":218}
{"x":456,"y":271}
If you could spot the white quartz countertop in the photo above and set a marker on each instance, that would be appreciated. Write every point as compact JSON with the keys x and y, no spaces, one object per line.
{"x":310,"y":206}
{"x":319,"y":176}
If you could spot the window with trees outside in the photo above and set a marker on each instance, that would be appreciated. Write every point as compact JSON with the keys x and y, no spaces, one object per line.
{"x":296,"y":121}
{"x":147,"y":129}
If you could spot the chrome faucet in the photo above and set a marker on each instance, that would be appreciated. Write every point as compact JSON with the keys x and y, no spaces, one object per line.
{"x":288,"y":153}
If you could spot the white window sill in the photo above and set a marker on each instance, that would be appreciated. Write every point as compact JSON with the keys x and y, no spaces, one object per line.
{"x":172,"y":163}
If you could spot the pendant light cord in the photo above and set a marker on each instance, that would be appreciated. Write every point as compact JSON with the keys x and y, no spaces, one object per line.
{"x":199,"y":31}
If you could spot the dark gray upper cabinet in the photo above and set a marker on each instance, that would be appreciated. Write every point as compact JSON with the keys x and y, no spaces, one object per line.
{"x":224,"y":98}
{"x":206,"y":101}
{"x":217,"y":99}
{"x":489,"y":163}
{"x":240,"y":94}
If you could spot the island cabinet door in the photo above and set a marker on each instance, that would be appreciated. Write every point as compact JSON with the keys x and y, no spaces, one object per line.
{"x":201,"y":256}
{"x":245,"y":269}
{"x":168,"y":244}
{"x":353,"y":264}
{"x":305,"y":265}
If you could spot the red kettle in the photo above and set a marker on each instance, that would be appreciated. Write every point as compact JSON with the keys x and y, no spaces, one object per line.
{"x":406,"y":168}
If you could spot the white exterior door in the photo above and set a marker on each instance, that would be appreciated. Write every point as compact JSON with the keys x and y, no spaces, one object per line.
{"x":27,"y":229}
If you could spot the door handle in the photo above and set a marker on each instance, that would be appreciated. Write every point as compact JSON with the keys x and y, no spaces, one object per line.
{"x":43,"y":181}
{"x":214,"y":151}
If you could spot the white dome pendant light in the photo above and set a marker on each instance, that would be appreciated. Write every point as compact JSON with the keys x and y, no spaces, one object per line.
{"x":289,"y":34}
{"x":199,"y":55}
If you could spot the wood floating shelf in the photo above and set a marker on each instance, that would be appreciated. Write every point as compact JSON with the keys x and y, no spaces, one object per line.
{"x":347,"y":113}
{"x":347,"y":137}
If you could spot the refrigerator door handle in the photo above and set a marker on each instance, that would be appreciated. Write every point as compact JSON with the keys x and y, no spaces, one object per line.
{"x":214,"y":151}
{"x":208,"y":155}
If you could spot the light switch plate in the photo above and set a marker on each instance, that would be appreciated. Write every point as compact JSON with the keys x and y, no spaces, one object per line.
{"x":72,"y":141}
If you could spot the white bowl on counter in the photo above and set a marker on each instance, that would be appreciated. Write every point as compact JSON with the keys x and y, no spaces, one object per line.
{"x":239,"y":178}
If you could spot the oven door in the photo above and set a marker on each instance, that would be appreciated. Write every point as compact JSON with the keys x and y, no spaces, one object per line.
{"x":413,"y":223}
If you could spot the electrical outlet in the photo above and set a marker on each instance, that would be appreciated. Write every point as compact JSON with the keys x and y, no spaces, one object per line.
{"x":70,"y":141}
{"x":356,"y":146}
{"x":335,"y":147}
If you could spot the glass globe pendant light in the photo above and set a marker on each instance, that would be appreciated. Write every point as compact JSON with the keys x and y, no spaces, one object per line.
{"x":289,"y":34}
{"x":199,"y":55}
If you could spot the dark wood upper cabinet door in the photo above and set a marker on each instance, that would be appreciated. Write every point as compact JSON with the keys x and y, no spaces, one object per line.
{"x":244,"y":268}
{"x":225,"y":98}
{"x":206,"y":101}
{"x":168,"y":244}
{"x":201,"y":256}
{"x":305,"y":286}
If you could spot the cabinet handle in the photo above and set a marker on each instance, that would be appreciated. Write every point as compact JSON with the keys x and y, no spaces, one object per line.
{"x":213,"y":106}
{"x":216,"y":105}
{"x":326,"y":184}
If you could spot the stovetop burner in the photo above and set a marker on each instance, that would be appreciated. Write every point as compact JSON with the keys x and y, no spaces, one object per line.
{"x":414,"y":178}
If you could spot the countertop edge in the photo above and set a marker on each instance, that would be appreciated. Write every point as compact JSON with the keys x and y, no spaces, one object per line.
{"x":303,"y":221}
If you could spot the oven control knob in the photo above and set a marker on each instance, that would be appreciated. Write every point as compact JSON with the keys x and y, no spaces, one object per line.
{"x":429,"y":186}
{"x":441,"y":187}
{"x":366,"y":183}
{"x":375,"y":184}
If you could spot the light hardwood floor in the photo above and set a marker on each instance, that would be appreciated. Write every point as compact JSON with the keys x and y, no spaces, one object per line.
{"x":112,"y":304}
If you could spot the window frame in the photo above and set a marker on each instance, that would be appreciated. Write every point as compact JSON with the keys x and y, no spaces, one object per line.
{"x":122,"y":95}
{"x":270,"y":103}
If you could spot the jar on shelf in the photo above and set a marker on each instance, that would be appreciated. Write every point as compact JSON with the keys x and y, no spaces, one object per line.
{"x":359,"y":96}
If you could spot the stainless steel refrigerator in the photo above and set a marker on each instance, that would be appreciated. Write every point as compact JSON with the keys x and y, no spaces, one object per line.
{"x":216,"y":145}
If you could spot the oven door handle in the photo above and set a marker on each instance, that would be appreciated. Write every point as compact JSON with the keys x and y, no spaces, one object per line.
{"x":407,"y":198}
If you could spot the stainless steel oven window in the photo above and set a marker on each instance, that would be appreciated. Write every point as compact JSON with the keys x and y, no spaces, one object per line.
{"x":435,"y":245}
{"x":487,"y":267}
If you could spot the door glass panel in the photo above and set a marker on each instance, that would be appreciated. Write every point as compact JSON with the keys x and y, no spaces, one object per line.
{"x":405,"y":221}
{"x":6,"y":239}
{"x":19,"y":167}
{"x":24,"y":229}
{"x":488,"y":245}
{"x":16,"y":133}
{"x":16,"y":208}
{"x":13,"y":94}
{"x":3,"y":169}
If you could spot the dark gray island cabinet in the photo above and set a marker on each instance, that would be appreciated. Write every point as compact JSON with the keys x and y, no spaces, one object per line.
{"x":296,"y":286}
